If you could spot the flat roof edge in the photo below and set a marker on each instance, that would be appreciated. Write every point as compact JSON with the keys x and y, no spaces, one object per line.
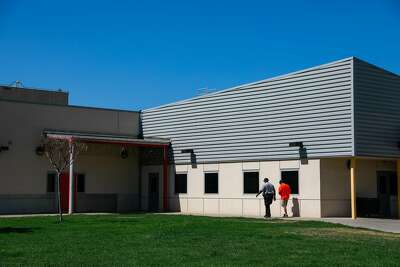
{"x":59,"y":90}
{"x":70,"y":106}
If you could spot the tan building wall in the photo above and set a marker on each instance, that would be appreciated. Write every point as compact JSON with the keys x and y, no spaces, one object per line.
{"x":23,"y":176}
{"x":335,"y":188}
{"x":324,"y":187}
{"x":230,"y":200}
{"x":110,"y":178}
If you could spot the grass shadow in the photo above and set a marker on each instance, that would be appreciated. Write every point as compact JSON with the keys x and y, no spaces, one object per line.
{"x":19,"y":230}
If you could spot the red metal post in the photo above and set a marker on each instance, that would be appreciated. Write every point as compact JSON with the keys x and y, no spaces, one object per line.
{"x":165,"y":178}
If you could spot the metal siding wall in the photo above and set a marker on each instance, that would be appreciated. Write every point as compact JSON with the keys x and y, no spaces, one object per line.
{"x":257,"y":121}
{"x":377,"y":111}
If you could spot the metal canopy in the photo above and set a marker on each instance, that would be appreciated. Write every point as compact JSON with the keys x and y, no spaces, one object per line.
{"x":106,"y":138}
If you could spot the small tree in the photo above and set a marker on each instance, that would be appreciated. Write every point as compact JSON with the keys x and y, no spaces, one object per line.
{"x":61,"y":154}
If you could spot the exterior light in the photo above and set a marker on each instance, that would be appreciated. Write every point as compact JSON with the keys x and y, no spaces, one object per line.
{"x":39,"y":150}
{"x":4,"y":148}
{"x":193,"y":158}
{"x":124,"y":153}
{"x":296,"y":144}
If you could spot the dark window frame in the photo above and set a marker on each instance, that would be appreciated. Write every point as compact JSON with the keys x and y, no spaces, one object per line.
{"x":206,"y":183}
{"x":49,"y":183}
{"x":176,"y":186}
{"x":256,"y":188}
{"x":294,"y":192}
{"x":78,"y":190}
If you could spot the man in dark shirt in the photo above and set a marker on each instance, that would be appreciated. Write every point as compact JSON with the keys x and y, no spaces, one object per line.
{"x":268,"y":192}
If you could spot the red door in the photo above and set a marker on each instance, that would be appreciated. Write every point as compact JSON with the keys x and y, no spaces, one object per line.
{"x":64,"y":190}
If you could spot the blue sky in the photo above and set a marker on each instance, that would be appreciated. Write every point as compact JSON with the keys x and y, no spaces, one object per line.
{"x":139,"y":54}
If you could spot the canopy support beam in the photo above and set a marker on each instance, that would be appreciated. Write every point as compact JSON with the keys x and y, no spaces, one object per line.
{"x":353,"y":188}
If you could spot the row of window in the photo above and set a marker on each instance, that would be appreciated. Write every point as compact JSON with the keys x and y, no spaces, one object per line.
{"x":251,"y":182}
{"x":52,"y":182}
{"x":211,"y":181}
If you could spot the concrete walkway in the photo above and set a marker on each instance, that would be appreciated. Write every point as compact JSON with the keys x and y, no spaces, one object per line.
{"x":384,"y":225}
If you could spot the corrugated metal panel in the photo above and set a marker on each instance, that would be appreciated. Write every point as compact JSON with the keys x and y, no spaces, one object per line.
{"x":258,"y":120}
{"x":377,"y":111}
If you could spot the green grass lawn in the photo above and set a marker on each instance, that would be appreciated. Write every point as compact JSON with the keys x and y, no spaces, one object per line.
{"x":145,"y":239}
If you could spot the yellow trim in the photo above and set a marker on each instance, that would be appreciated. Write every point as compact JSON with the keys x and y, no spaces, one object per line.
{"x":353,"y":188}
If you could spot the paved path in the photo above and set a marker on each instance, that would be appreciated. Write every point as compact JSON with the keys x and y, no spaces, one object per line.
{"x":384,"y":225}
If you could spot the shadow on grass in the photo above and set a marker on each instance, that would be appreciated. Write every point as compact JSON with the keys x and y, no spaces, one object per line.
{"x":19,"y":230}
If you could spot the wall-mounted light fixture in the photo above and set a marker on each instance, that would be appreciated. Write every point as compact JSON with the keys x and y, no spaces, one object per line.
{"x":193,"y":159}
{"x":296,"y":144}
{"x":7,"y":147}
{"x":4,"y":148}
{"x":39,"y":150}
{"x":302,"y":151}
{"x":190,"y":150}
{"x":124,"y":153}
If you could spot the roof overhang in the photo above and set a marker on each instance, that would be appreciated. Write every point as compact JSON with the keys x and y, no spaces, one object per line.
{"x":104,"y":138}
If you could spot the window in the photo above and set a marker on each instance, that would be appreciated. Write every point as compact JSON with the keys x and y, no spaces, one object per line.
{"x":80,"y":183}
{"x":292,"y":179}
{"x":51,"y":182}
{"x":211,"y":183}
{"x":250,"y":182}
{"x":180,"y":183}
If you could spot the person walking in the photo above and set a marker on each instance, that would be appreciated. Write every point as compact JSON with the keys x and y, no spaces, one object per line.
{"x":269,"y":194}
{"x":284,"y":191}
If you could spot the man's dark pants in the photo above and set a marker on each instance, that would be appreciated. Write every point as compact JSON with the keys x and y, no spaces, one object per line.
{"x":268,"y":201}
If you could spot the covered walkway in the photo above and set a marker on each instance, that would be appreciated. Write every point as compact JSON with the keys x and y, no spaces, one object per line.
{"x":69,"y":190}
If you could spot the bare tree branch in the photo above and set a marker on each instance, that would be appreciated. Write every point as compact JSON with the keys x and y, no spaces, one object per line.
{"x":61,"y":154}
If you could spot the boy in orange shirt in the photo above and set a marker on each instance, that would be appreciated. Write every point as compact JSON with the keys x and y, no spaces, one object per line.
{"x":284,"y":191}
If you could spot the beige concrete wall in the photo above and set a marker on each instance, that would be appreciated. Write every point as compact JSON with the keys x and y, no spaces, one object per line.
{"x":107,"y":173}
{"x":230,"y":200}
{"x":335,"y":188}
{"x":25,"y":174}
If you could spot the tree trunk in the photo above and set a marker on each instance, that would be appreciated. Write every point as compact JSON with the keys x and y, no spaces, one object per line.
{"x":59,"y":196}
